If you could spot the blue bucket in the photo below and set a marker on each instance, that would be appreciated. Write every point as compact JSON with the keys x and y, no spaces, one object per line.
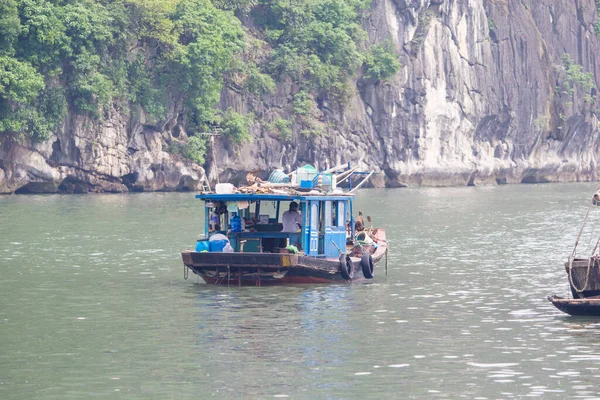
{"x":217,"y":245}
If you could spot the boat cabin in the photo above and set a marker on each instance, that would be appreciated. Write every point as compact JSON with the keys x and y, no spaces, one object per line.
{"x":252,"y":223}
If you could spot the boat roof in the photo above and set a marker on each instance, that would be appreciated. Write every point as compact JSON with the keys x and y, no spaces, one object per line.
{"x":273,"y":197}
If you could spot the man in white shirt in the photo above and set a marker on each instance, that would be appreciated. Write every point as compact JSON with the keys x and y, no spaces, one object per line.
{"x":291,"y":219}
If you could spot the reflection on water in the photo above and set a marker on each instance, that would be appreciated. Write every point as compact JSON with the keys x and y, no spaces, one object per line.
{"x":94,"y":304}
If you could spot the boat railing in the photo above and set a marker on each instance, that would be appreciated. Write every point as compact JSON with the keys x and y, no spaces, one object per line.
{"x":259,"y":242}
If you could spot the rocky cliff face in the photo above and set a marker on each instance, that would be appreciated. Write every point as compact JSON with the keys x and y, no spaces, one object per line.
{"x":484,"y":96}
{"x":122,"y":153}
{"x":477,"y":101}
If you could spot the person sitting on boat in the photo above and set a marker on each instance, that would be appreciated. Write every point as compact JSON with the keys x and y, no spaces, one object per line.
{"x":216,"y":230}
{"x":214,"y":222}
{"x":291,"y":219}
{"x":359,"y":225}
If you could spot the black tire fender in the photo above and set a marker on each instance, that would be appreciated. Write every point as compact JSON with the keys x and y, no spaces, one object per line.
{"x":368,"y":268}
{"x":346,"y":267}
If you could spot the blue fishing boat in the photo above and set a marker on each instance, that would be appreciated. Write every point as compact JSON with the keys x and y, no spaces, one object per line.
{"x":298,"y":231}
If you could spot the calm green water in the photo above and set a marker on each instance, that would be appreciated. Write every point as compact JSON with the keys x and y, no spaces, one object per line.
{"x":93,"y":304}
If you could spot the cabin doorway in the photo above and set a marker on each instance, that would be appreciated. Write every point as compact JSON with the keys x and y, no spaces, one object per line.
{"x":312,"y":228}
{"x":334,"y":240}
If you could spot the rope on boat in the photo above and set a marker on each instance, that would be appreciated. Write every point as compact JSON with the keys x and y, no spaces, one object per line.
{"x":572,"y":258}
{"x":587,"y":276}
{"x":587,"y":214}
{"x":587,"y":273}
{"x":387,"y":250}
{"x":186,"y":272}
{"x":340,"y":252}
{"x":593,"y":223}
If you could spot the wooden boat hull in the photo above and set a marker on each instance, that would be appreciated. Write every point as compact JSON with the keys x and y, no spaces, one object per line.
{"x":582,"y":307}
{"x":264,"y":277}
{"x":259,"y":269}
{"x":584,"y":277}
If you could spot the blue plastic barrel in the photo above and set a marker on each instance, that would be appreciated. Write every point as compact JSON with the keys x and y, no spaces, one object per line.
{"x":202,"y":245}
{"x":217,"y":245}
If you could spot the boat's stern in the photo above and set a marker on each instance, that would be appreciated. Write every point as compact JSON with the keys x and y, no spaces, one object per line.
{"x":193,"y":259}
{"x":240,"y":268}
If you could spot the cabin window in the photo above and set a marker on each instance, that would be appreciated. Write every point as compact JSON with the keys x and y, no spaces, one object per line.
{"x":262,"y":216}
{"x":328,"y":213}
{"x":314,"y":216}
{"x":217,"y":216}
{"x":340,"y":213}
{"x":334,"y":213}
{"x":268,"y":211}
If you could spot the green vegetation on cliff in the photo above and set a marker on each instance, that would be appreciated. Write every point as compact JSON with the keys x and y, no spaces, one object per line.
{"x":576,"y":77}
{"x":597,"y":23}
{"x":90,"y":57}
{"x":90,"y":54}
{"x":316,"y":43}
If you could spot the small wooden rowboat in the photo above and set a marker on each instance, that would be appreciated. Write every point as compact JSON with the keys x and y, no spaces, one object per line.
{"x":584,"y":276}
{"x":589,"y":306}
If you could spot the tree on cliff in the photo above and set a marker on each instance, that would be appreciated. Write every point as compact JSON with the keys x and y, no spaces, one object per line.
{"x":91,"y":57}
{"x":84,"y":55}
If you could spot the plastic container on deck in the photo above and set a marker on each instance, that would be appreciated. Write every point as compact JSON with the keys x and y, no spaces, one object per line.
{"x":217,"y":246}
{"x":306,"y":173}
{"x":236,"y":223}
{"x":217,"y":242}
{"x":202,"y":245}
{"x":306,"y":184}
{"x":325,"y":181}
{"x":224,"y":188}
{"x":278,"y":176}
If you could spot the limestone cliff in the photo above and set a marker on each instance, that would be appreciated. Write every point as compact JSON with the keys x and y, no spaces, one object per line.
{"x":120,"y":154}
{"x":478,"y":99}
{"x":484,"y":96}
